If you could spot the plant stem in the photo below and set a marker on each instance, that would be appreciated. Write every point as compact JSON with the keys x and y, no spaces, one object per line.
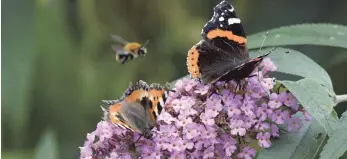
{"x":340,"y":98}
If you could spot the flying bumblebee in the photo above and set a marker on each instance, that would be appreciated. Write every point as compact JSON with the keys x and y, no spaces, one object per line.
{"x":126,"y":51}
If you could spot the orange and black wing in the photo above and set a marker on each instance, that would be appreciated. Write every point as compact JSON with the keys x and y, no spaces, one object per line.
{"x":223,"y":50}
{"x":129,"y":111}
{"x":114,"y":115}
{"x":157,"y":96}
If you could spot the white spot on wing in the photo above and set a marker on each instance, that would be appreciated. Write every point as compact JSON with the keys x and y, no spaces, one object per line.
{"x":161,"y":101}
{"x":221,"y":25}
{"x":232,"y":9}
{"x":222,"y":13}
{"x":234,"y":21}
{"x":221,"y":19}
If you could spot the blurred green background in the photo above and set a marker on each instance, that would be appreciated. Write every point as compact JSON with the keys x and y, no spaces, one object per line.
{"x":57,"y":63}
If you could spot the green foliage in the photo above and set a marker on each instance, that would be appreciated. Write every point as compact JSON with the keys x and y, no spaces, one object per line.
{"x":314,"y":91}
{"x":302,"y":34}
{"x":296,"y":63}
{"x":16,"y":154}
{"x":17,"y":68}
{"x":47,"y":147}
{"x":337,"y":142}
{"x":303,"y":144}
{"x":315,"y":99}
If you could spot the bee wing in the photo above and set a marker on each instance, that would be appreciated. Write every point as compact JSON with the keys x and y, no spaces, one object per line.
{"x":119,"y":50}
{"x":137,"y":116}
{"x":119,"y":40}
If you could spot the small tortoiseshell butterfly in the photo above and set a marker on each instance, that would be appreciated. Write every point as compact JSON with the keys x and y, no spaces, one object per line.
{"x":138,"y":108}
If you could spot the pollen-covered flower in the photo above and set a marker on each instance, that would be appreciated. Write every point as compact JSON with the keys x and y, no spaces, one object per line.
{"x":206,"y":121}
{"x":264,"y":139}
{"x":280,"y":116}
{"x":247,"y":153}
{"x":274,"y":101}
{"x":294,"y":124}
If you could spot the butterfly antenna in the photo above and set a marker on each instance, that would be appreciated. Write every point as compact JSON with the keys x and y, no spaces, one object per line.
{"x":263,"y":42}
{"x":152,"y":138}
{"x":273,"y":49}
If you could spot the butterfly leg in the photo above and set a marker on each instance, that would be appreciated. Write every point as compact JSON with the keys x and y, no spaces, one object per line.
{"x":242,"y":85}
{"x":250,"y":76}
{"x":138,"y":138}
{"x":197,"y":79}
{"x":236,"y":87}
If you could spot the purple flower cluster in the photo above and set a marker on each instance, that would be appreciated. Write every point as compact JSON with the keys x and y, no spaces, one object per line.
{"x":207,"y":121}
{"x":108,"y":141}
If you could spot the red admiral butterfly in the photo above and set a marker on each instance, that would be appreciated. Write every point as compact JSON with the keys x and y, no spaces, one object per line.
{"x":138,"y":108}
{"x":222,"y":53}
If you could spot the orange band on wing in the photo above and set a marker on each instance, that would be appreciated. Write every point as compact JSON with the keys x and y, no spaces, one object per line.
{"x":156,"y":93}
{"x":154,"y":96}
{"x":151,"y":112}
{"x":113,"y":112}
{"x":192,"y":62}
{"x":228,"y":34}
{"x":135,"y":96}
{"x":114,"y":109}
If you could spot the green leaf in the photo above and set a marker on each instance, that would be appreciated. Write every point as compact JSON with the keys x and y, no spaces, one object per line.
{"x":309,"y":34}
{"x":337,"y":143}
{"x":296,"y":63}
{"x":47,"y":147}
{"x":303,"y":144}
{"x":315,"y":99}
{"x":339,"y":59}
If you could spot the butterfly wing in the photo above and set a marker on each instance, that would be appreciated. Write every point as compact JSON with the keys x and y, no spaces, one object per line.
{"x":222,"y":54}
{"x":208,"y":62}
{"x":157,"y":96}
{"x":224,"y":29}
{"x":110,"y":102}
{"x":135,"y":114}
{"x":243,"y":70}
{"x":123,"y":112}
{"x":114,"y":115}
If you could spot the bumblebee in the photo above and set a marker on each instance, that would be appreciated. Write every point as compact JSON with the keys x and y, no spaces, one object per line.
{"x":126,"y":51}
